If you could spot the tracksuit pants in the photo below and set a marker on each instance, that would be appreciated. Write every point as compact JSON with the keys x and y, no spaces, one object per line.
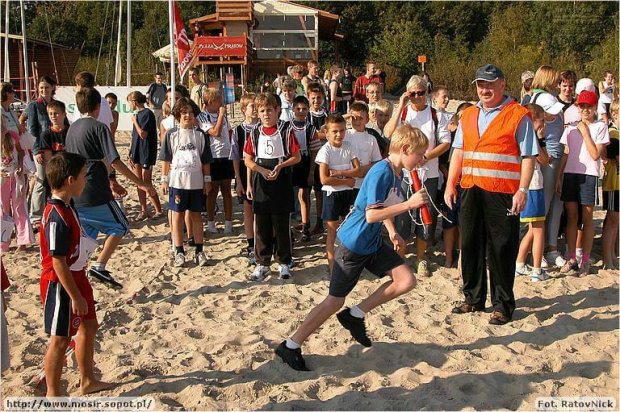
{"x":265,"y":227}
{"x":490,"y":237}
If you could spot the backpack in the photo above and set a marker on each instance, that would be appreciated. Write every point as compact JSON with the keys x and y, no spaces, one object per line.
{"x":403,"y":117}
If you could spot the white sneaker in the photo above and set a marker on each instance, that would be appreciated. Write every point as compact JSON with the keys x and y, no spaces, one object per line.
{"x":555,"y":258}
{"x":201,"y":259}
{"x":227,"y":227}
{"x":540,"y":276}
{"x":522,"y":270}
{"x":179,"y":260}
{"x":544,"y":264}
{"x":211,"y":227}
{"x":260,"y":273}
{"x":285,"y":271}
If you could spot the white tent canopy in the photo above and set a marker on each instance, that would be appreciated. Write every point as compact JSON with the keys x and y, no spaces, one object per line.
{"x":163,"y":54}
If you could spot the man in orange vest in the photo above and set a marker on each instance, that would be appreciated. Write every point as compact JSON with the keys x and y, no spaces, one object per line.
{"x":494,"y":155}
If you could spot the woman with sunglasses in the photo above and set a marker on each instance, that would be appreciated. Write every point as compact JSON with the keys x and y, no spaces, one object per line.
{"x":414,"y":110}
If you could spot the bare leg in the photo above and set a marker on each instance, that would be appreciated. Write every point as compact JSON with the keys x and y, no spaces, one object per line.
{"x":211,"y":199}
{"x":420,"y":246}
{"x":110,"y":245}
{"x":332,"y":226}
{"x":225,"y":189}
{"x":189,"y":225}
{"x":317,"y":317}
{"x":526,"y":245}
{"x":538,"y":242}
{"x":137,"y":170}
{"x":177,"y":228}
{"x":449,"y":240}
{"x":54,"y":362}
{"x":571,"y":227}
{"x":402,"y":282}
{"x":588,"y":228}
{"x":196,"y":219}
{"x":304,"y":203}
{"x":84,"y":354}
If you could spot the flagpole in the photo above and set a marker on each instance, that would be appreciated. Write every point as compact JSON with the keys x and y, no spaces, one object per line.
{"x":128,"y":43}
{"x":172,"y":68}
{"x":7,"y":73}
{"x":118,"y":68}
{"x":25,"y":51}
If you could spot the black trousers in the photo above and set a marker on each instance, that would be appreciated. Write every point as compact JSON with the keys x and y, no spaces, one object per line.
{"x":265,"y":227}
{"x":489,"y":236}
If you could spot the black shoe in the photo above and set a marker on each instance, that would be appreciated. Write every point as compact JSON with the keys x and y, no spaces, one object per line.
{"x":354,"y":325}
{"x":191,"y":242}
{"x":104,"y":277}
{"x":465,"y":307}
{"x":305,"y":235}
{"x":292,"y":357}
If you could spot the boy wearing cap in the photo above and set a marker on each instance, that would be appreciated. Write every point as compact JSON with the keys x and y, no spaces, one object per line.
{"x":584,"y":143}
{"x":572,"y":115}
{"x":493,"y":154}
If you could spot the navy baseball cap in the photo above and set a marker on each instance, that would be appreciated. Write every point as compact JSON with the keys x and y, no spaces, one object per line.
{"x":489,"y":73}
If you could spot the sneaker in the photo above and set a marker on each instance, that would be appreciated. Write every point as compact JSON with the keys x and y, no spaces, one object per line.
{"x":292,"y":357}
{"x":356,"y":326}
{"x":569,"y":267}
{"x":251,"y":257}
{"x":285,"y":271}
{"x":211,"y":227}
{"x":292,"y":264}
{"x":522,"y":270}
{"x":104,"y":277}
{"x":305,"y":235}
{"x":543,"y":263}
{"x":228,"y":227}
{"x":201,"y":259}
{"x":179,"y":260}
{"x":423,"y":268}
{"x":260,"y":273}
{"x":191,"y":242}
{"x":554,"y":257}
{"x":540,"y":276}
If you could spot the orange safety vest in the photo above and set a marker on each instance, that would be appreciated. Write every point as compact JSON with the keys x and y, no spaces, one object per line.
{"x":492,"y":161}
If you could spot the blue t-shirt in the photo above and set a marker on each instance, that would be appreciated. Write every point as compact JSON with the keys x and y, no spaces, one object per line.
{"x":355,"y":233}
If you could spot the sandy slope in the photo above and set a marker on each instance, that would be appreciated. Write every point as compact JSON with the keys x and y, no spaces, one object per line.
{"x":203,"y":338}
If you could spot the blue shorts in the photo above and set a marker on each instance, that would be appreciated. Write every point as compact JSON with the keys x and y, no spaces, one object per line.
{"x":337,"y":205}
{"x":181,"y":200}
{"x":108,"y":219}
{"x":535,"y":207}
{"x":580,"y":188}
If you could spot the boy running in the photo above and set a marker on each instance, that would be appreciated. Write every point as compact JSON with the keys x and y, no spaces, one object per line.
{"x":360,"y":246}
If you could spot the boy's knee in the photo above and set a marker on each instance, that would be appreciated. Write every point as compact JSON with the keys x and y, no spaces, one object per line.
{"x":404,"y":279}
{"x":59,"y":343}
{"x":334,"y":303}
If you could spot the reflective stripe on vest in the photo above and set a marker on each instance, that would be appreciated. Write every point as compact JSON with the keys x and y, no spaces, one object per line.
{"x":492,"y":160}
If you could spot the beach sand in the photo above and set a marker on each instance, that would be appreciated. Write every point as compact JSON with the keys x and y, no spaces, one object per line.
{"x":203,"y":338}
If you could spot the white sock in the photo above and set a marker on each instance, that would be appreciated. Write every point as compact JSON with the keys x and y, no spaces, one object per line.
{"x":578,"y":251}
{"x":520,"y":265}
{"x":357,"y":312}
{"x":535,"y":271}
{"x":98,"y":266}
{"x":292,"y":345}
{"x":211,"y":223}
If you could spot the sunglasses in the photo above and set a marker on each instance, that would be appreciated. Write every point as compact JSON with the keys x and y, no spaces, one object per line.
{"x":418,"y":94}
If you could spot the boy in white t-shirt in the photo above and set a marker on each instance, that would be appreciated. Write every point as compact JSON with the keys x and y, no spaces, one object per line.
{"x":578,"y":178}
{"x":186,"y":175}
{"x":534,"y":213}
{"x":286,"y":98}
{"x":214,"y":123}
{"x":364,"y":144}
{"x":338,"y":168}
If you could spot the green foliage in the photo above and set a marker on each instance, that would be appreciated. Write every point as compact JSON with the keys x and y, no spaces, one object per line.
{"x":455,"y":36}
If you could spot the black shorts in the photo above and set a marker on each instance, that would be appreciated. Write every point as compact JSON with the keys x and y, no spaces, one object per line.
{"x":317,"y":179}
{"x":579,"y":188}
{"x":181,"y":200}
{"x":301,"y":172}
{"x":222,"y":169}
{"x":337,"y":205}
{"x":610,"y":200}
{"x":404,"y":222}
{"x":348,"y":267}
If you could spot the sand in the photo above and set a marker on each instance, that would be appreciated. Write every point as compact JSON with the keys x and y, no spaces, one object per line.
{"x":203,"y":338}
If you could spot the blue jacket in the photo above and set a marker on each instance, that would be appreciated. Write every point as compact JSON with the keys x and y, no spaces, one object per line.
{"x":38,"y":121}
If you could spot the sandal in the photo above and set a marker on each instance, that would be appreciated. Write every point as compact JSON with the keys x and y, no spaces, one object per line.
{"x":142,"y":216}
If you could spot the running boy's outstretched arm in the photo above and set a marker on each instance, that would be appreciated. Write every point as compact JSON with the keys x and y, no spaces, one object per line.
{"x":419,"y":199}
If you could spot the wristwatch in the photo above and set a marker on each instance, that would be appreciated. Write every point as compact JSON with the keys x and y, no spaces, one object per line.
{"x":524,"y":190}
{"x":206,"y":178}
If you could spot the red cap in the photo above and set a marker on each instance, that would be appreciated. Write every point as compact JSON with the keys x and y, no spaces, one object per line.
{"x":587,"y":97}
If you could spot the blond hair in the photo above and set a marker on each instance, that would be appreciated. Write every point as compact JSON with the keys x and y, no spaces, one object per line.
{"x":546,"y":78}
{"x":383,"y":106}
{"x":165,"y":109}
{"x":289,"y":84}
{"x":407,"y":135}
{"x":246,"y":99}
{"x":613,"y":108}
{"x":210,"y":94}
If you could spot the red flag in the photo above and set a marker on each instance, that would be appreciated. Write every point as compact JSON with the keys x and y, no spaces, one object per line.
{"x":181,"y":40}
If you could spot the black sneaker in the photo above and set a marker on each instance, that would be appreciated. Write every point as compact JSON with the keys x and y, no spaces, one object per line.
{"x":191,"y":242}
{"x":104,"y":277}
{"x":354,"y":325}
{"x":292,"y":357}
{"x":305,"y":235}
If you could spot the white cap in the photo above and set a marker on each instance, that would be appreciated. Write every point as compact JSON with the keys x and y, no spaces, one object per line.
{"x":585,"y":84}
{"x":549,"y":103}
